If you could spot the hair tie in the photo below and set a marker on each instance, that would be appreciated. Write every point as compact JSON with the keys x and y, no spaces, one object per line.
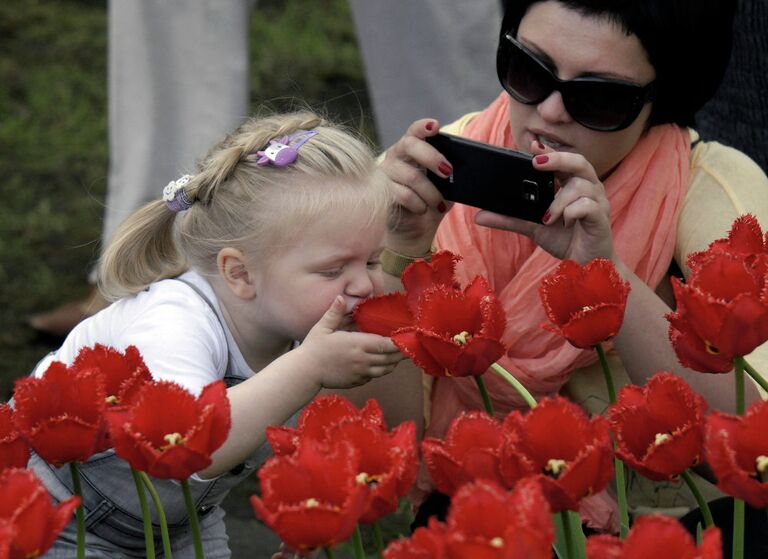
{"x":283,"y":152}
{"x":175,"y":196}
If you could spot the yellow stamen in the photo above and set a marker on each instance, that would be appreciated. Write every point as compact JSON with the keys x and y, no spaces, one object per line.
{"x":762,"y":465}
{"x":112,"y":400}
{"x":661,"y":437}
{"x":712,"y":350}
{"x":312,"y":502}
{"x":497,"y":542}
{"x":462,"y":338}
{"x":555,"y":466}
{"x":174,"y":439}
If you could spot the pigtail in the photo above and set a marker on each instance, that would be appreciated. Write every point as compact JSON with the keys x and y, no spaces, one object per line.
{"x":142,"y":251}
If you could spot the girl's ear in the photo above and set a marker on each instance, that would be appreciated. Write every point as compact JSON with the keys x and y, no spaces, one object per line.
{"x":232,"y":267}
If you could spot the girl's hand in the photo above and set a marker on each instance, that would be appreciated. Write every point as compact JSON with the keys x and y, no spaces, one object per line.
{"x":578,"y":223}
{"x":343,"y":359}
{"x":286,"y":552}
{"x":421,"y":207}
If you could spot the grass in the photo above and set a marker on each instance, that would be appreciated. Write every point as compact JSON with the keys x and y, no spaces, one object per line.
{"x":53,"y":137}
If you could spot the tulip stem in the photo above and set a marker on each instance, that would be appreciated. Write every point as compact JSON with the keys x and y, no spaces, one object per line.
{"x":484,"y":394}
{"x":503,"y":373}
{"x":606,"y":374}
{"x":703,"y":506}
{"x":738,"y":529}
{"x":160,"y":515}
{"x":149,"y":540}
{"x":621,"y":486}
{"x":738,"y":375}
{"x":79,"y":512}
{"x":194,"y":524}
{"x":328,"y":551}
{"x":569,"y":547}
{"x":379,"y":539}
{"x":757,"y":377}
{"x":357,"y":543}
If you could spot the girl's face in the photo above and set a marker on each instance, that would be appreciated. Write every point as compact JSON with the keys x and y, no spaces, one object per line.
{"x":337,"y":255}
{"x":574,"y":45}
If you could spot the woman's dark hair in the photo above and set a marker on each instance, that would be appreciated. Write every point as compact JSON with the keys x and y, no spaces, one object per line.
{"x":688,"y":43}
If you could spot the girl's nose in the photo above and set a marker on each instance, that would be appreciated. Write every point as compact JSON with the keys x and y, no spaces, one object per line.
{"x":361,"y":286}
{"x":553,"y":110}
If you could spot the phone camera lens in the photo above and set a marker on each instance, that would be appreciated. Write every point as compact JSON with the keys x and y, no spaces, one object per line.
{"x":530,"y":191}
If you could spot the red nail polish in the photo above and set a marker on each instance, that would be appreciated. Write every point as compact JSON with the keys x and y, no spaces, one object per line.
{"x":541,"y":146}
{"x":442,"y":208}
{"x":445,"y":168}
{"x":547,"y":217}
{"x":430,"y":125}
{"x":541,"y":159}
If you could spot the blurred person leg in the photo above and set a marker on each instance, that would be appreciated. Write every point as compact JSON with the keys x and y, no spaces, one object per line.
{"x":427,"y":58}
{"x":178,"y":80}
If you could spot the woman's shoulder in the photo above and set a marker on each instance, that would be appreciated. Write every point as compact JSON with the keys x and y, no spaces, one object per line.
{"x":457,"y":126}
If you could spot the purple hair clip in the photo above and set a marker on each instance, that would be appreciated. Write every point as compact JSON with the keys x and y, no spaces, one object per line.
{"x":283,"y":152}
{"x":174,"y":195}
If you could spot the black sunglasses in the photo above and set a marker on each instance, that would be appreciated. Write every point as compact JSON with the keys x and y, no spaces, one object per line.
{"x":596,"y":103}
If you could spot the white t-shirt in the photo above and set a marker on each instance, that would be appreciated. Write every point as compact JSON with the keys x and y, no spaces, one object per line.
{"x":178,"y":334}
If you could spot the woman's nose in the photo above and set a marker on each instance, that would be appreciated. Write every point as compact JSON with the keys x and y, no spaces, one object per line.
{"x":553,"y":110}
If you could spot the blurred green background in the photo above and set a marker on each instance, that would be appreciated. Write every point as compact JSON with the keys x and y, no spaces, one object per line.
{"x":53,"y":136}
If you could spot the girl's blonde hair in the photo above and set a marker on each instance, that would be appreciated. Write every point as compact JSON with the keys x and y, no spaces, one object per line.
{"x":237,"y":203}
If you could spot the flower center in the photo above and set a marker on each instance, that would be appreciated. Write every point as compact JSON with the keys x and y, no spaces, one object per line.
{"x":711,"y":349}
{"x":368,"y":479}
{"x":661,"y":437}
{"x":173,"y":439}
{"x":112,"y":400}
{"x":555,"y":467}
{"x":462,"y":338}
{"x":497,"y":542}
{"x":311,"y":503}
{"x":762,"y":466}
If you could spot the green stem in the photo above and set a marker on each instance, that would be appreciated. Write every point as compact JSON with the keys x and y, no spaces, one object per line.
{"x":503,"y":373}
{"x":149,"y":540}
{"x":738,"y":529}
{"x":379,"y":539}
{"x":739,"y":378}
{"x":80,"y":512}
{"x":757,"y":377}
{"x":160,"y":515}
{"x":193,"y":522}
{"x":606,"y":373}
{"x":484,"y":394}
{"x":357,"y":543}
{"x":569,"y":547}
{"x":703,"y":506}
{"x":328,"y":551}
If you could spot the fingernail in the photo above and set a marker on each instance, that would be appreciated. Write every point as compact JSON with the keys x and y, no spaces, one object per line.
{"x":442,"y":208}
{"x":445,"y":168}
{"x":430,"y":125}
{"x":547,"y":217}
{"x":541,"y":159}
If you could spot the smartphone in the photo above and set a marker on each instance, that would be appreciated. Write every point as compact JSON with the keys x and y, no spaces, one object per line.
{"x":493,"y":178}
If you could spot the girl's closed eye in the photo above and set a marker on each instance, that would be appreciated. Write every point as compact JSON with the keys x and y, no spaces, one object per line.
{"x":373,"y":263}
{"x":332,"y":272}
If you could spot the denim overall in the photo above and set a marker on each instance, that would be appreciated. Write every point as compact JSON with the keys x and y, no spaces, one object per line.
{"x":113,"y":521}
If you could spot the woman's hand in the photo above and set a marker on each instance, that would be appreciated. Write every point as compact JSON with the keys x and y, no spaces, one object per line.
{"x":578,"y":223}
{"x":420,"y":205}
{"x":342,"y":359}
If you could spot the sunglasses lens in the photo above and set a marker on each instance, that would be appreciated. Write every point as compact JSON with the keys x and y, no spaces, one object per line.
{"x":521,"y":75}
{"x":602,"y":105}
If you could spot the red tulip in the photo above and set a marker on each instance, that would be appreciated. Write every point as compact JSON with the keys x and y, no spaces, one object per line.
{"x":35,"y":521}
{"x":388,"y":462}
{"x":736,"y":448}
{"x":585,"y":303}
{"x":61,"y":414}
{"x":659,"y":429}
{"x":7,"y":532}
{"x":570,"y":454}
{"x":745,"y":239}
{"x":656,"y":535}
{"x":14,"y":450}
{"x":485,"y":521}
{"x":124,"y":373}
{"x":311,"y":498}
{"x":444,"y":330}
{"x":167,"y":432}
{"x":424,"y":543}
{"x":471,"y":451}
{"x":317,"y":416}
{"x":722,"y":312}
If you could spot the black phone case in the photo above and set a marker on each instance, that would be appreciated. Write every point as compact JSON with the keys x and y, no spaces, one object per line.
{"x":493,"y":178}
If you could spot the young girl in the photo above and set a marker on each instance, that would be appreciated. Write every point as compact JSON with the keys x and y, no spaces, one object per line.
{"x":274,"y":240}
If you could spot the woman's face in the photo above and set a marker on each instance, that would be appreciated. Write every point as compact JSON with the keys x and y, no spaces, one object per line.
{"x":574,"y":45}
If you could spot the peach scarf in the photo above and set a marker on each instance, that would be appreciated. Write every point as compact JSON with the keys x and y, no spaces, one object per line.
{"x":645,"y":191}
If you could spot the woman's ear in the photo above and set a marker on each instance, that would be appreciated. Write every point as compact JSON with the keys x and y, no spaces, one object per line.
{"x":233,"y":268}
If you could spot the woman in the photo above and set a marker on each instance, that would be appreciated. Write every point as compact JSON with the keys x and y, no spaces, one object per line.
{"x":602,"y":94}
